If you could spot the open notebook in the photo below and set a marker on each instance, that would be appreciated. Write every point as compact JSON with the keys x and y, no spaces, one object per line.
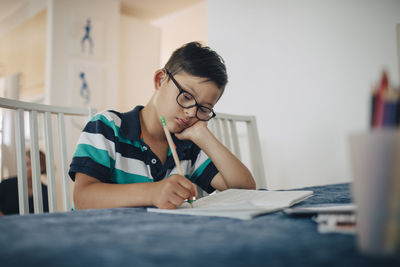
{"x":239,"y":203}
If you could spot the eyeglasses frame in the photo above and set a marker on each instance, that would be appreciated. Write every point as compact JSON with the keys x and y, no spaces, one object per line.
{"x":181,"y":91}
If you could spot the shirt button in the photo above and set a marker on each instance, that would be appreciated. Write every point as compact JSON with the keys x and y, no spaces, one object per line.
{"x":144,"y":147}
{"x":154,"y":161}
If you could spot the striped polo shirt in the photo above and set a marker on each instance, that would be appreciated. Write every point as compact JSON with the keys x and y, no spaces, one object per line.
{"x":112,"y":150}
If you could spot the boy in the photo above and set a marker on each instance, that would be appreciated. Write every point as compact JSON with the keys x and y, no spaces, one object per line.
{"x":123,"y":159}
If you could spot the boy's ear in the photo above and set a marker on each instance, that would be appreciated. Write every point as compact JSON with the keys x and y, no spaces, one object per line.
{"x":159,"y":77}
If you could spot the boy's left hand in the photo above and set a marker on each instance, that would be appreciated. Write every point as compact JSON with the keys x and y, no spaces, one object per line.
{"x":193,"y":132}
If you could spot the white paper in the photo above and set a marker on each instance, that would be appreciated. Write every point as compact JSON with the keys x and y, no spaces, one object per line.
{"x":239,"y":203}
{"x":336,"y":223}
{"x":322,"y":208}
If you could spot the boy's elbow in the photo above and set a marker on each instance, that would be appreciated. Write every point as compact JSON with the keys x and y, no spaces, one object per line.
{"x":77,"y":199}
{"x":248,"y":182}
{"x":251,"y":184}
{"x":81,"y":192}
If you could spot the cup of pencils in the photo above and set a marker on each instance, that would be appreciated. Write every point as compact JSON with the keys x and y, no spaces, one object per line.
{"x":375,"y":162}
{"x":385,"y":105}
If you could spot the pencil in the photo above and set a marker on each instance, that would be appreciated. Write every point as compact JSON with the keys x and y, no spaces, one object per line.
{"x":173,"y":151}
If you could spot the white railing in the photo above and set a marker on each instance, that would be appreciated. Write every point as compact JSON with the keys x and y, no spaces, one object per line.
{"x":224,"y":127}
{"x":35,"y":110}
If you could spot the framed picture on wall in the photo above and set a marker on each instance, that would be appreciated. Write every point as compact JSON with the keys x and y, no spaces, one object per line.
{"x":87,"y":37}
{"x":86,"y":81}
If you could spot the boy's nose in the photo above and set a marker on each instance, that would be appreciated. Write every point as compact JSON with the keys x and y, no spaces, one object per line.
{"x":191,"y":112}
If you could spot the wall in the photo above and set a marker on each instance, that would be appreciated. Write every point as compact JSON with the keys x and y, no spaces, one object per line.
{"x":305,"y":69}
{"x":398,"y":45}
{"x":22,"y":50}
{"x":139,"y":55}
{"x":151,"y":44}
{"x":186,"y":25}
{"x":22,"y":67}
{"x":9,"y":88}
{"x":66,"y":57}
{"x":62,"y":56}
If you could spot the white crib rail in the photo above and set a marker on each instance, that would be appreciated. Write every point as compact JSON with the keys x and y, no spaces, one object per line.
{"x":34,"y":111}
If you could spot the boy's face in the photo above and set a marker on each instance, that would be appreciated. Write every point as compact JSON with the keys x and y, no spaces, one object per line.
{"x":205,"y":93}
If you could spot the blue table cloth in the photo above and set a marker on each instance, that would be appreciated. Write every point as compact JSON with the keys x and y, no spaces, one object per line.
{"x":134,"y":237}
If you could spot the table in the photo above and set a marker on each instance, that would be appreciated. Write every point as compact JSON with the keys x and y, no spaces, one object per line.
{"x":134,"y":237}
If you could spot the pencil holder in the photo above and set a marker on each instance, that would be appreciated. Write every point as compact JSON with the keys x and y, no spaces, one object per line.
{"x":375,"y":161}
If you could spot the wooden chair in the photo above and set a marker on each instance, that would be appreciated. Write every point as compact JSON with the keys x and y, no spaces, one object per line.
{"x":36,"y":110}
{"x":243,"y":142}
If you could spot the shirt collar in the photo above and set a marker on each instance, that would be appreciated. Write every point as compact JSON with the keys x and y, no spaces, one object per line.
{"x":130,"y":124}
{"x":130,"y":128}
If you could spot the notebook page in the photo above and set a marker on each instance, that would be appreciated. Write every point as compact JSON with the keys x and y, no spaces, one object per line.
{"x":239,"y":203}
{"x":252,"y":198}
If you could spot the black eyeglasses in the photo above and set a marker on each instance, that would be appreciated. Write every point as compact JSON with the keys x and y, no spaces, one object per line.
{"x":187,"y":100}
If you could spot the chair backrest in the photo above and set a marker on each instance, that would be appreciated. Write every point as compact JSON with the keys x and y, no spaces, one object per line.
{"x":47,"y":111}
{"x":226,"y":128}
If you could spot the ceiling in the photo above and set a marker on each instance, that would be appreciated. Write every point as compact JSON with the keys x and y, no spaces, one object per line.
{"x":146,"y":10}
{"x":8,"y":7}
{"x":149,"y":10}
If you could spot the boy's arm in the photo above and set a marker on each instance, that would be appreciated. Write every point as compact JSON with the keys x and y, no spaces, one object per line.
{"x":232,"y":172}
{"x":90,"y":193}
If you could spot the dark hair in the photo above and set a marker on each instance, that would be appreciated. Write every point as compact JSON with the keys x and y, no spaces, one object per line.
{"x":42,"y":157}
{"x":199,"y":61}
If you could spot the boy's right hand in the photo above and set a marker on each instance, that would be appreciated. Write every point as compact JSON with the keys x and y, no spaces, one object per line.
{"x":171,"y":192}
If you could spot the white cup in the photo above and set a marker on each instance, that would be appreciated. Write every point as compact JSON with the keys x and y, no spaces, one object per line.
{"x":375,"y":158}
